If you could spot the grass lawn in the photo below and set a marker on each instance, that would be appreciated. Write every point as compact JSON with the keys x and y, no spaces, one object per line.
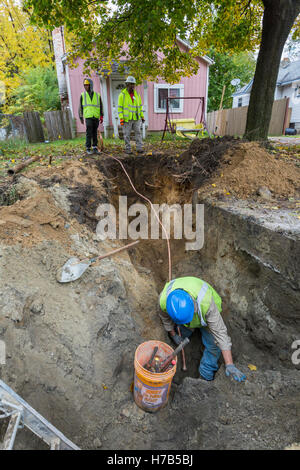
{"x":15,"y":148}
{"x":14,"y":151}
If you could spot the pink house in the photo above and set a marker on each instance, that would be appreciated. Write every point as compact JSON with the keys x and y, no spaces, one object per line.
{"x":153,"y":94}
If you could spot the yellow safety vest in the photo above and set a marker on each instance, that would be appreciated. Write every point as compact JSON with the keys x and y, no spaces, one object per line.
{"x":200,"y":290}
{"x":129,"y":110}
{"x":91,"y":108}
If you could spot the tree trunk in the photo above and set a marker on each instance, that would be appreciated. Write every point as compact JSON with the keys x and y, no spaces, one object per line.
{"x":279,"y":17}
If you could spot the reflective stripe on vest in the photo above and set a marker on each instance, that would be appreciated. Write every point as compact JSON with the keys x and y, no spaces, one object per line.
{"x":169,"y":288}
{"x":89,"y":104}
{"x":131,"y":111}
{"x":200,"y":297}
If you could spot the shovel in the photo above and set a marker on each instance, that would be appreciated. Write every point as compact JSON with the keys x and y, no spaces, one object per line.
{"x":100,"y":142}
{"x":74,"y":268}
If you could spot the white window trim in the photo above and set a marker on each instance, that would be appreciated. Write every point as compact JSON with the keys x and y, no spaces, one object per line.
{"x":157,"y":86}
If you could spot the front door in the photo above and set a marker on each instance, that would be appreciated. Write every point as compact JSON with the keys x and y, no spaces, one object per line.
{"x":117,"y":85}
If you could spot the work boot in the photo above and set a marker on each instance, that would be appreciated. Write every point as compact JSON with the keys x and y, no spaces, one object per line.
{"x":96,"y":151}
{"x":89,"y":151}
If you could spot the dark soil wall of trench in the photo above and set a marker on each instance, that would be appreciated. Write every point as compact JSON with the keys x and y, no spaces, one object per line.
{"x":257,"y":272}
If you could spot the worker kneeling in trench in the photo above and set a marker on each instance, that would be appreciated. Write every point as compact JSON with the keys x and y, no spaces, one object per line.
{"x":189,"y":302}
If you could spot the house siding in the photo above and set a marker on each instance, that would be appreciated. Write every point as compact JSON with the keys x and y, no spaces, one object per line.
{"x":295,"y":117}
{"x":193,"y":86}
{"x":288,"y":91}
{"x":285,"y":91}
{"x":245,"y":102}
{"x":76,"y":77}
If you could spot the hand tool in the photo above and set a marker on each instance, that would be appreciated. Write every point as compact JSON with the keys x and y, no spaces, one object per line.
{"x":182,"y":352}
{"x":148,"y":364}
{"x":165,"y":363}
{"x":74,"y":268}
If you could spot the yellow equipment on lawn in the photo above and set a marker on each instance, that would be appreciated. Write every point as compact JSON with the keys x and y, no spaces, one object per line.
{"x":187,"y":128}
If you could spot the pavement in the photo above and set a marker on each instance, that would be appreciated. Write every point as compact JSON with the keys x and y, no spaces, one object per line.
{"x":286,"y":140}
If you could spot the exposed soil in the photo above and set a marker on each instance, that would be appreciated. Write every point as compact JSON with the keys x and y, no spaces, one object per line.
{"x":75,"y":343}
{"x":221,"y":168}
{"x":32,"y":220}
{"x":246,"y":169}
{"x":171,"y":176}
{"x":70,"y":173}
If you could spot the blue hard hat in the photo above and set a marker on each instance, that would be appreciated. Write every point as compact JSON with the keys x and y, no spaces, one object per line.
{"x":180,"y":306}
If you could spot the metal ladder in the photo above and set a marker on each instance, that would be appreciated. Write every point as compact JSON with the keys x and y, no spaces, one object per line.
{"x":21,"y":414}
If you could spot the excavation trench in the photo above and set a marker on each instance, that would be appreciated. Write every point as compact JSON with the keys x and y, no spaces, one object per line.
{"x":239,"y":256}
{"x":75,"y":343}
{"x":155,"y":178}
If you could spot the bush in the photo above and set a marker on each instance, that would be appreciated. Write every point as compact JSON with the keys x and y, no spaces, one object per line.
{"x":38,"y":92}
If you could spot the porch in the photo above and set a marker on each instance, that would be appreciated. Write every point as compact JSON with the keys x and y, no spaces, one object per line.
{"x":110,"y":88}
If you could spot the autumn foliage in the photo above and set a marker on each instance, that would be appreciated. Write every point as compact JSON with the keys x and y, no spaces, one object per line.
{"x":23,"y":47}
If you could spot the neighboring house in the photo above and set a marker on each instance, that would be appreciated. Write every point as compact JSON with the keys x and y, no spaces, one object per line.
{"x":153,"y":94}
{"x":288,"y":86}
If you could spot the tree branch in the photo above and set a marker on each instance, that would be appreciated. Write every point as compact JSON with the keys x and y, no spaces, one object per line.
{"x":244,"y":10}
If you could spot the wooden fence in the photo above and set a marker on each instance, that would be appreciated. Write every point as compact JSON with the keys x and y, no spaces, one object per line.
{"x":33,"y":126}
{"x":233,"y":121}
{"x":59,"y":124}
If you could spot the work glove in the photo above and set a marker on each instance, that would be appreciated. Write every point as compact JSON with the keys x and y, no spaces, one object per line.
{"x":143,"y":120}
{"x":81,"y":120}
{"x":232,"y":371}
{"x":101,"y":119}
{"x":177,"y":339}
{"x":122,"y":122}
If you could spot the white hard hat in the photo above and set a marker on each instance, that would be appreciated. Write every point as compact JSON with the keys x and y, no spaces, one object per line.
{"x":130,"y":79}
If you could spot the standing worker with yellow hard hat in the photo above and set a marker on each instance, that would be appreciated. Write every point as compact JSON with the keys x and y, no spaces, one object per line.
{"x":91,"y":109}
{"x":130,"y":110}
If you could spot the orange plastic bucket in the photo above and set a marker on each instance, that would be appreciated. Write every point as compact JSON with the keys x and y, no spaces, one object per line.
{"x":151,"y":390}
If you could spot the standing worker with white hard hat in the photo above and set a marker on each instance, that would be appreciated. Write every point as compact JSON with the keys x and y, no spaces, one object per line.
{"x":91,"y":109}
{"x":189,"y":303}
{"x":130,"y":110}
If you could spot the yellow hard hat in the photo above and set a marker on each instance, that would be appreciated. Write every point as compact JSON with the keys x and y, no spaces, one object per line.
{"x":86,"y":82}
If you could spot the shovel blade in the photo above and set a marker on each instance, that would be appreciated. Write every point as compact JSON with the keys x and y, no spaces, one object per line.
{"x":72,"y":270}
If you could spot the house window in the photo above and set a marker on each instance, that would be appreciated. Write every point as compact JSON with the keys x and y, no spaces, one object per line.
{"x":164,"y":91}
{"x":240,"y":102}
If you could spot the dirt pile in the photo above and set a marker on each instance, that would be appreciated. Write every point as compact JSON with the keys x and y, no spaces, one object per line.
{"x":70,"y":173}
{"x":233,"y":167}
{"x":247,"y":168}
{"x":32,"y":220}
{"x":203,"y":158}
{"x":37,"y":206}
{"x":76,"y":185}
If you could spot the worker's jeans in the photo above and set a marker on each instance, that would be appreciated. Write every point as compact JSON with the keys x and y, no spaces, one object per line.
{"x":209,"y":362}
{"x":136,"y":127}
{"x":92,"y":125}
